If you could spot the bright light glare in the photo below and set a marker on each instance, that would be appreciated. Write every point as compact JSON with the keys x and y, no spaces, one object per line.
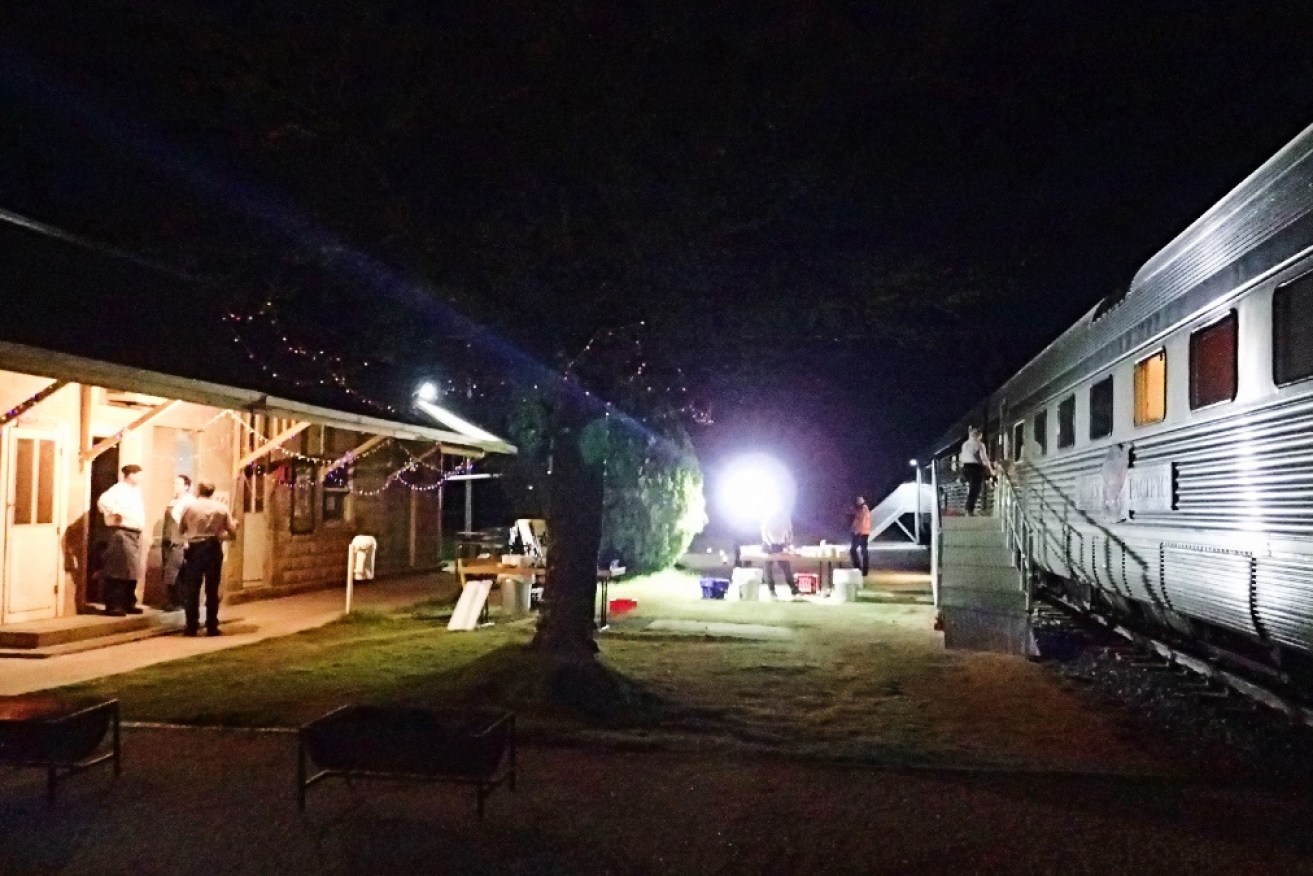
{"x":752,"y":486}
{"x":428,"y":391}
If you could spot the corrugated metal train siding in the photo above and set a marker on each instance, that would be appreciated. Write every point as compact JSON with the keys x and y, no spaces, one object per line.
{"x":1283,"y":599}
{"x":1211,"y":584}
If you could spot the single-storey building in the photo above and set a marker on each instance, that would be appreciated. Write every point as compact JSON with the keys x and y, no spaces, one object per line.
{"x":301,"y":479}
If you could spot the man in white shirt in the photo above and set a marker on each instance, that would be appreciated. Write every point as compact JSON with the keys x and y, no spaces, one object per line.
{"x":206,"y":525}
{"x":975,"y":465}
{"x":172,"y":544}
{"x":125,"y":517}
{"x":776,"y":537}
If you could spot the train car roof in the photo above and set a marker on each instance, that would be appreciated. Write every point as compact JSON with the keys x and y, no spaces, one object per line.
{"x":1261,"y":224}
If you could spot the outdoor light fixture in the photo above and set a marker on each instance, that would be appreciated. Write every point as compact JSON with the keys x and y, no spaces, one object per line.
{"x":912,"y":463}
{"x":752,"y":486}
{"x":428,"y":391}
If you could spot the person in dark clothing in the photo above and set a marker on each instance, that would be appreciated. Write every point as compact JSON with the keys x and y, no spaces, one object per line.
{"x":172,"y":546}
{"x":975,"y":465}
{"x":206,"y":525}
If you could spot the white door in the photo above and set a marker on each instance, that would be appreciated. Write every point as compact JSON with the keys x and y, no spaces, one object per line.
{"x":33,"y":511}
{"x":254,"y":529}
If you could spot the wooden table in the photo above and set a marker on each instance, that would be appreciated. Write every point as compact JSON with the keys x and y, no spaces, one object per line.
{"x":493,"y":569}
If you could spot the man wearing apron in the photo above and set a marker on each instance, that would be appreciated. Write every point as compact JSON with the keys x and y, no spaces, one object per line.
{"x":125,"y":517}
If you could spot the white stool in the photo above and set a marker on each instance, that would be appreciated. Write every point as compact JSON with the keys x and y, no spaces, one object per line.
{"x":745,"y":585}
{"x":844,"y":584}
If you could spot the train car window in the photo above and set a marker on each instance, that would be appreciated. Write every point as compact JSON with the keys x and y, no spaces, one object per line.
{"x":1042,"y":431}
{"x":1151,"y":389}
{"x":1213,"y":363}
{"x":1292,"y":331}
{"x":1018,"y":440}
{"x":1067,"y":421}
{"x":1101,"y":408}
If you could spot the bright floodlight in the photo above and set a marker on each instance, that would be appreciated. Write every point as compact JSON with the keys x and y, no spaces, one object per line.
{"x":753,"y":486}
{"x":428,"y":391}
{"x":912,"y":463}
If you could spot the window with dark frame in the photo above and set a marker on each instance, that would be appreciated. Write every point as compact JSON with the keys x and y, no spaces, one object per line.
{"x":1101,"y":403}
{"x":1213,"y":363}
{"x":1018,"y":441}
{"x":1067,"y":421}
{"x":1292,"y":331}
{"x":1042,"y":431}
{"x":337,"y":486}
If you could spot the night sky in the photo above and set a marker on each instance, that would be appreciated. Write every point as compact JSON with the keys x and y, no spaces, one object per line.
{"x":847,"y":221}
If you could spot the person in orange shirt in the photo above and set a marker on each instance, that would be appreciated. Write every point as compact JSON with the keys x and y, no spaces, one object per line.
{"x":861,"y":529}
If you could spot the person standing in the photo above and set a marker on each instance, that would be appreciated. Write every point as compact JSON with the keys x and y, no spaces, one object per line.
{"x":776,"y":537}
{"x":206,"y":524}
{"x":172,"y":547}
{"x":861,"y":531}
{"x":125,"y":517}
{"x":975,"y":465}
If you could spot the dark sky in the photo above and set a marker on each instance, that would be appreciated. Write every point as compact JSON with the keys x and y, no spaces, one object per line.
{"x":532,"y":161}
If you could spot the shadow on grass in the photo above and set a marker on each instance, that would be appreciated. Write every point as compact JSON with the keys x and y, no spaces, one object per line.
{"x":519,"y":678}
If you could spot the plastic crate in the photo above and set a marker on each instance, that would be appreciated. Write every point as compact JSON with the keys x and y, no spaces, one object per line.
{"x":714,"y":588}
{"x":620,"y":606}
{"x":807,"y":582}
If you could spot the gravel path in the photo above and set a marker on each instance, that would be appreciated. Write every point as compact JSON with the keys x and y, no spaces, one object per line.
{"x":222,"y":802}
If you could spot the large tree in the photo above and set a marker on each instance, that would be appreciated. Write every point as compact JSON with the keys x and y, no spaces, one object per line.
{"x":514,"y":193}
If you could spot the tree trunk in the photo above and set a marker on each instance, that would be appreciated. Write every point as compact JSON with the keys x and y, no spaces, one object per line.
{"x":575,"y":530}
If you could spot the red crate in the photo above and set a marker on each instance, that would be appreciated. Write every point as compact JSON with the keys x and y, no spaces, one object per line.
{"x":807,"y":582}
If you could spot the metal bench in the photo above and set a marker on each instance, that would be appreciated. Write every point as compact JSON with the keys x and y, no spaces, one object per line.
{"x":468,"y":747}
{"x":61,"y":738}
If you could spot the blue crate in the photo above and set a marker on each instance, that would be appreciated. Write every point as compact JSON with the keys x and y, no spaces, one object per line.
{"x":714,"y":588}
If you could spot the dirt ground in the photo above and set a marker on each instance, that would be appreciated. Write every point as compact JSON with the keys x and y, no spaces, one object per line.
{"x":223,"y":802}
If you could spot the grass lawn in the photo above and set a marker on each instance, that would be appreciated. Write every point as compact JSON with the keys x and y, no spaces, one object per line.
{"x":866,"y":681}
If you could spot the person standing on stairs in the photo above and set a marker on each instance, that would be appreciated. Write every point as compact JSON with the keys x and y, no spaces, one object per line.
{"x":975,"y":465}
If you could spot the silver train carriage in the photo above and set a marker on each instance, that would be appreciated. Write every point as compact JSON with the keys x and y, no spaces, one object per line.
{"x":1160,"y":451}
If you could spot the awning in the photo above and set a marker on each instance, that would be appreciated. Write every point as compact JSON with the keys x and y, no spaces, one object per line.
{"x":78,"y":369}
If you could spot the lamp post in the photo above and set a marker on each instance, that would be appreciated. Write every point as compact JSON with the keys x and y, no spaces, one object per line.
{"x":917,"y":522}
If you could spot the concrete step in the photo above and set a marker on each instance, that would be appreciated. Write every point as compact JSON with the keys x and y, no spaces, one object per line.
{"x":64,"y":630}
{"x":233,"y":627}
{"x":961,"y":523}
{"x":1002,"y":632}
{"x":984,"y":600}
{"x":979,"y":578}
{"x":974,"y":538}
{"x":989,"y":557}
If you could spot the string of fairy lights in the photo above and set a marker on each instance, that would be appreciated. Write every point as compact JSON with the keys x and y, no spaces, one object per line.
{"x":344,"y":463}
{"x":331,"y":365}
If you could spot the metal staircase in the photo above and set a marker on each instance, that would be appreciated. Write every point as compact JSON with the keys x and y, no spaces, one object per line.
{"x":983,"y":599}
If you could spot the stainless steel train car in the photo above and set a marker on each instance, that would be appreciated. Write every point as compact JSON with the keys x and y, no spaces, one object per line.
{"x":1160,"y":451}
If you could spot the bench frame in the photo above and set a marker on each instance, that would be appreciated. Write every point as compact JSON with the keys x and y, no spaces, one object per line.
{"x":58,"y":769}
{"x":483,"y":785}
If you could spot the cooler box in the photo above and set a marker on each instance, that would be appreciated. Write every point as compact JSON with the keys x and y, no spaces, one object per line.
{"x":808,"y":582}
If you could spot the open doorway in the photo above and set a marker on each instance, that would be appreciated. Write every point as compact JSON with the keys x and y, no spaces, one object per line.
{"x":104,"y":474}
